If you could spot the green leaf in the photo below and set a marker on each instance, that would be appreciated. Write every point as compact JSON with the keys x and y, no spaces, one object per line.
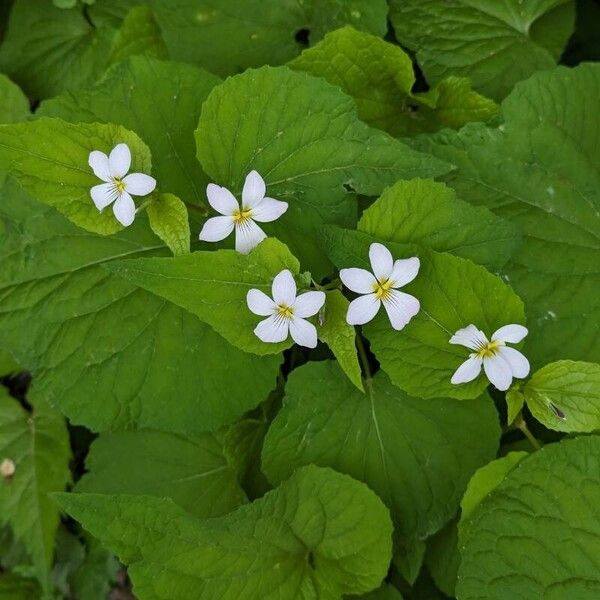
{"x":214,"y":285}
{"x":139,"y":35}
{"x":515,"y":401}
{"x":48,"y":50}
{"x":38,"y":444}
{"x":565,"y":396}
{"x":95,"y":576}
{"x":49,"y":160}
{"x":422,"y":211}
{"x":201,"y":31}
{"x":486,"y":480}
{"x":339,"y":336}
{"x":13,"y":587}
{"x":304,"y":137}
{"x":168,"y":218}
{"x":401,"y":447}
{"x":320,"y":534}
{"x":386,"y":592}
{"x":110,"y":355}
{"x":379,"y":76}
{"x":494,"y":44}
{"x":160,"y":101}
{"x":442,"y":558}
{"x":14,"y":105}
{"x":453,"y":293}
{"x":8,"y":364}
{"x":553,"y":197}
{"x":193,"y":472}
{"x":537,"y":534}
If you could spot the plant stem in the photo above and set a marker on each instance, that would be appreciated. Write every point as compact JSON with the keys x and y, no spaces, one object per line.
{"x":362,"y":355}
{"x":520,"y":424}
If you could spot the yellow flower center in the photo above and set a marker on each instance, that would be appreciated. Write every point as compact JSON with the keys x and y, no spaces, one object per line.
{"x":382,"y":289}
{"x":488,"y":349}
{"x":241,"y":215}
{"x":120,"y":185}
{"x":285,"y":311}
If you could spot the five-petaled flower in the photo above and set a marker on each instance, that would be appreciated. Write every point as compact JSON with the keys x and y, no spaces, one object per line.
{"x":286,"y":312}
{"x":381,"y":286}
{"x":118,"y":186}
{"x":255,"y":207}
{"x":500,"y":362}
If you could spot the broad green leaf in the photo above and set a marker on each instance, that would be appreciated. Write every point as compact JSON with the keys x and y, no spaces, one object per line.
{"x":214,"y":285}
{"x":453,"y":293}
{"x":139,"y":35}
{"x":38,"y":444}
{"x":48,"y":50}
{"x":553,"y":197}
{"x":319,"y":535}
{"x":265,"y":31}
{"x":14,"y":105}
{"x":537,"y":535}
{"x":13,"y":587}
{"x":422,"y":211}
{"x":386,"y":592}
{"x":8,"y":364}
{"x":161,"y":102}
{"x":409,"y":553}
{"x":168,"y":218}
{"x":486,"y":480}
{"x":379,"y":76}
{"x":304,"y":137}
{"x":110,"y":355}
{"x":416,"y":455}
{"x":193,"y":472}
{"x":515,"y":401}
{"x":339,"y":336}
{"x":95,"y":576}
{"x":565,"y":396}
{"x":442,"y":558}
{"x":48,"y":158}
{"x":493,"y":43}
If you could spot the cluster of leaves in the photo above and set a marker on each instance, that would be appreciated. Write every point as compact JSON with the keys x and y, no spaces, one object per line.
{"x":214,"y":465}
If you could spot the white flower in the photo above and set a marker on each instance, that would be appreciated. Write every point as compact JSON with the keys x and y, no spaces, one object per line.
{"x":118,"y":186}
{"x":255,"y":207}
{"x":286,"y":312}
{"x":500,"y":362}
{"x":382,"y":287}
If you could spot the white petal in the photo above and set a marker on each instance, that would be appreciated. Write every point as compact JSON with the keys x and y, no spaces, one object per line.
{"x":268,"y":210}
{"x":221,"y":199}
{"x":360,"y":281}
{"x":119,"y":160}
{"x":284,"y":288}
{"x":99,"y":163}
{"x":303,"y":332}
{"x":470,"y":337}
{"x":139,"y":184}
{"x":216,"y":229}
{"x":498,"y":371}
{"x":103,"y":195}
{"x":363,"y":309}
{"x":510,"y":333}
{"x":124,"y":209}
{"x":248,"y":235}
{"x":401,"y":308}
{"x":254,"y":190}
{"x":308,"y":304}
{"x":404,"y":271}
{"x":382,"y":262}
{"x":259,"y":303}
{"x":467,"y":371}
{"x":272,"y":330}
{"x":518,"y":363}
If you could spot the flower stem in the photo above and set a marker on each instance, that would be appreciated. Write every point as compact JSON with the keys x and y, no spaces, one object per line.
{"x":520,"y":424}
{"x":362,"y":355}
